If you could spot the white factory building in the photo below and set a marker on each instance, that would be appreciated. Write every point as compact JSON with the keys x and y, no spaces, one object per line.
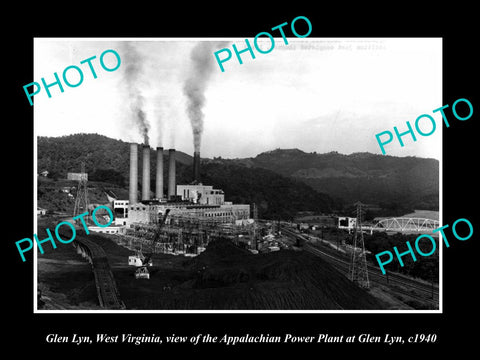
{"x":200,"y":201}
{"x":196,"y":200}
{"x":345,"y":222}
{"x":120,"y":209}
{"x":201,"y":194}
{"x":224,"y":213}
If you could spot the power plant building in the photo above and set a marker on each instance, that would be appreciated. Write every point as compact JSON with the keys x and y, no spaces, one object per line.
{"x":225,"y":213}
{"x":201,"y":194}
{"x":196,"y":200}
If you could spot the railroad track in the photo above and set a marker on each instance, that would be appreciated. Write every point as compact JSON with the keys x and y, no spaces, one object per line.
{"x":107,"y":291}
{"x":415,"y":290}
{"x":423,"y":294}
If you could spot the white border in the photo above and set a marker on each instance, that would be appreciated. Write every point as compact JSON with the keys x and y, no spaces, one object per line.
{"x":68,"y":311}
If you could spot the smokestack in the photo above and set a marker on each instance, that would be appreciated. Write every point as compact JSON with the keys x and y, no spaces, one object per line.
{"x":159,"y":174}
{"x":133,"y":184}
{"x":171,"y":173}
{"x":146,"y":173}
{"x":196,"y":167}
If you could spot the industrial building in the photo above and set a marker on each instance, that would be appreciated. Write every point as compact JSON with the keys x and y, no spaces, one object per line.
{"x":77,"y":176}
{"x":223,"y":213}
{"x":201,"y":194}
{"x":120,"y":209}
{"x":345,"y":222}
{"x":195,"y":200}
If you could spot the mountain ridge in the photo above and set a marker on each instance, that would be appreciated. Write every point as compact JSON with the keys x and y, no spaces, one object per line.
{"x":282,"y":178}
{"x":107,"y":161}
{"x":407,"y":181}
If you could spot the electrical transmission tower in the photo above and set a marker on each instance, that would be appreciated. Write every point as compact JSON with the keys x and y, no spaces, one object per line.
{"x":81,"y":201}
{"x":358,"y":266}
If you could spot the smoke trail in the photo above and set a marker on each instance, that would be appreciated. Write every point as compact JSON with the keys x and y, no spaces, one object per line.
{"x":194,"y":88}
{"x":132,"y":71}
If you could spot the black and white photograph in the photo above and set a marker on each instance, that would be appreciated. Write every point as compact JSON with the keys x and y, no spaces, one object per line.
{"x":258,"y":186}
{"x":270,"y":180}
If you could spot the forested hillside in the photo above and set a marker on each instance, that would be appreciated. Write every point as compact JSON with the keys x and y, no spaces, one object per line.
{"x":107,"y":162}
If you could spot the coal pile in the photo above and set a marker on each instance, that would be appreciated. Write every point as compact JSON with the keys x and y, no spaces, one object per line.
{"x":225,"y":277}
{"x":283,"y":280}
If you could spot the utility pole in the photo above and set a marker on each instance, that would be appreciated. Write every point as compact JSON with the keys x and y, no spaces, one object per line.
{"x":358,"y":266}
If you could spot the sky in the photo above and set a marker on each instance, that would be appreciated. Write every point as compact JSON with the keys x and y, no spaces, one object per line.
{"x":314,"y":94}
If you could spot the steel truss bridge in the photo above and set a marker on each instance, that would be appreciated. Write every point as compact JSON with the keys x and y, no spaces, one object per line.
{"x":404,"y":225}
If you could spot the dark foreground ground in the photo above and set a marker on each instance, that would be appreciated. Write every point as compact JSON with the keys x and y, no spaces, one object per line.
{"x":227,"y":277}
{"x":221,"y":278}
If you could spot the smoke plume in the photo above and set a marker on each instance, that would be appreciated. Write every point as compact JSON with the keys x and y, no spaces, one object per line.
{"x":133,"y":73}
{"x":194,"y":88}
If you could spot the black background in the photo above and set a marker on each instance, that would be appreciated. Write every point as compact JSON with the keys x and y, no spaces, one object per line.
{"x":26,"y":331}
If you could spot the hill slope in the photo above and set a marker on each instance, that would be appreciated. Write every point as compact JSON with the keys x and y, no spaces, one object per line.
{"x":107,"y":162}
{"x":227,"y":277}
{"x":410,"y":182}
{"x":104,"y":158}
{"x":280,"y":182}
{"x":276,"y":196}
